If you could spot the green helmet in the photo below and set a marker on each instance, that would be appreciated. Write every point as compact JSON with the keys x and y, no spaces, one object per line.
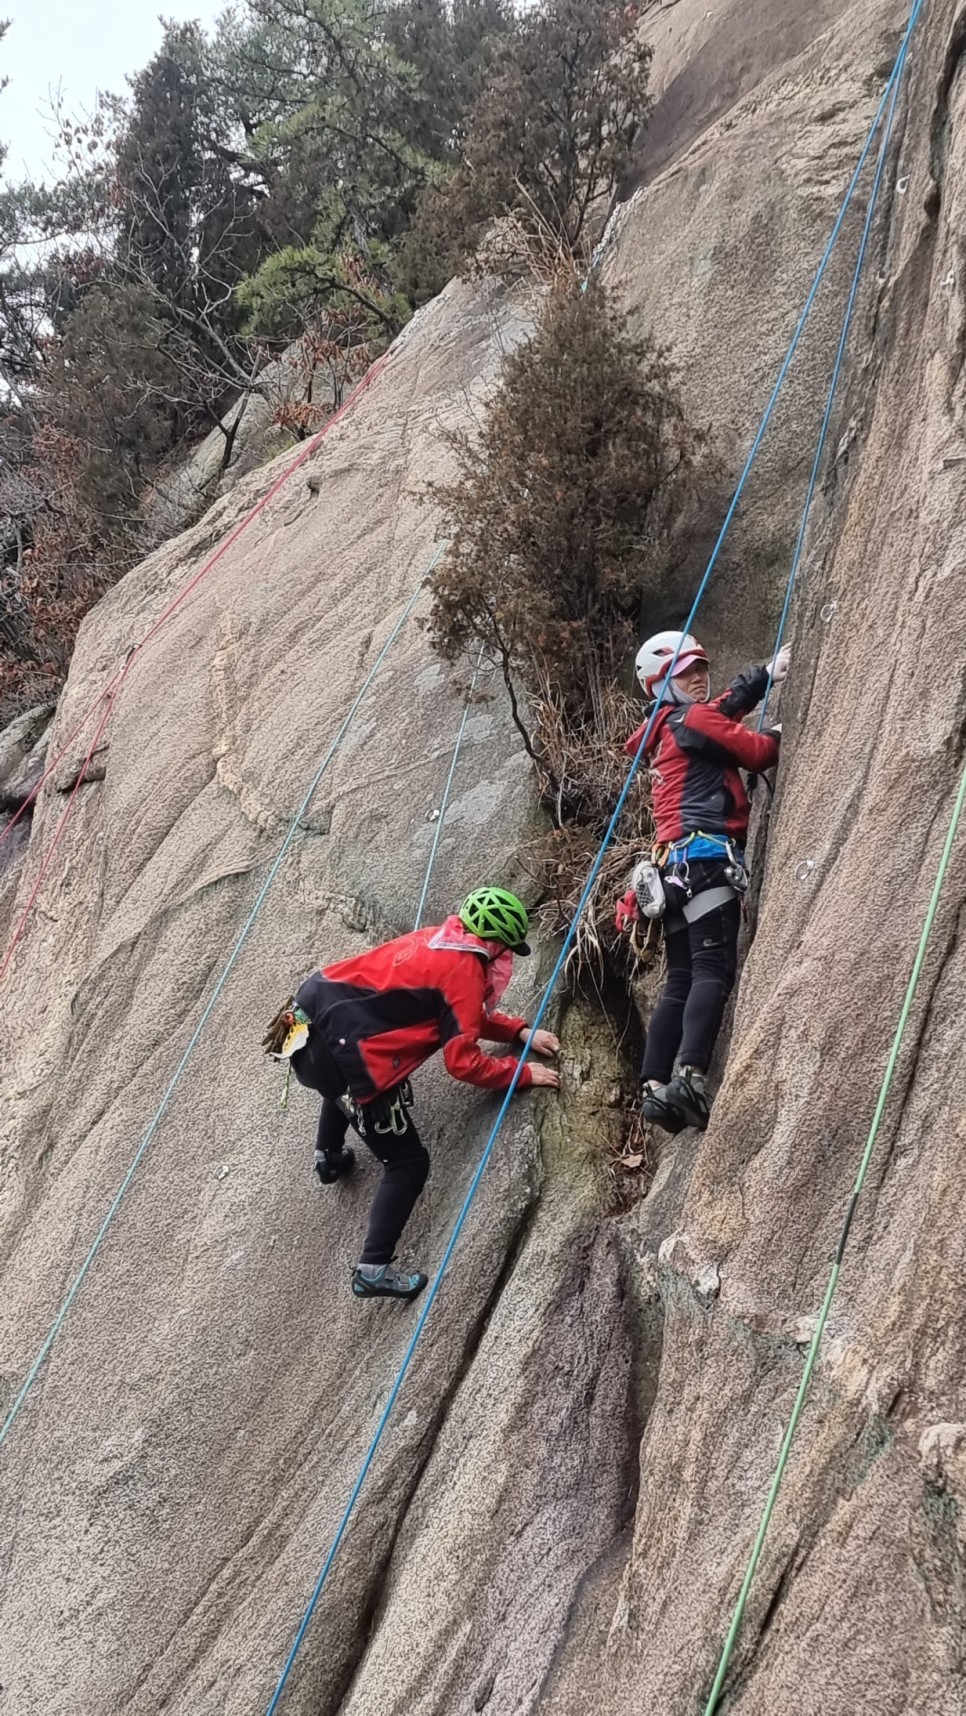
{"x":495,"y":915}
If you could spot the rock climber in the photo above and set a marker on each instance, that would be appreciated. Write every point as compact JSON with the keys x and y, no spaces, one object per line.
{"x":697,"y":873}
{"x":355,"y":1031}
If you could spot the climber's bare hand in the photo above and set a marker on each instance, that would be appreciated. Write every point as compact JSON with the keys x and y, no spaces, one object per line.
{"x":541,"y":1042}
{"x":544,"y":1076}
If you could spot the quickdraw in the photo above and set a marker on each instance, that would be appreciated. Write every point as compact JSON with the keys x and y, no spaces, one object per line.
{"x":392,"y":1115}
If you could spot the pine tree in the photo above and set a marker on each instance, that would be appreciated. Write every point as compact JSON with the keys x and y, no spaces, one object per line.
{"x":547,"y":139}
{"x":186,"y":221}
{"x":450,"y":45}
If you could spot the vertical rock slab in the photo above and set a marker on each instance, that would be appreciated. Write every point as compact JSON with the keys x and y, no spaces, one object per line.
{"x":858,"y":1603}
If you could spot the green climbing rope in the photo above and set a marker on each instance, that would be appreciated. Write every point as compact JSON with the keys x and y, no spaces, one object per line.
{"x":860,"y":1179}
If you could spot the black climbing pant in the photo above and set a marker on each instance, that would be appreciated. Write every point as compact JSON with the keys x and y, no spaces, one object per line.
{"x":404,"y":1157}
{"x":405,"y":1165}
{"x":702,"y":963}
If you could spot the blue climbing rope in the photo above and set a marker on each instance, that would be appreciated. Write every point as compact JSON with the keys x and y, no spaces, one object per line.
{"x":75,"y":1286}
{"x":588,"y":890}
{"x":898,"y":76}
{"x":444,"y":807}
{"x":771,"y":1501}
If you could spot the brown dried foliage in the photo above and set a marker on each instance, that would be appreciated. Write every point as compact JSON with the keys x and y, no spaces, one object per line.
{"x":562,"y":526}
{"x":67,"y":566}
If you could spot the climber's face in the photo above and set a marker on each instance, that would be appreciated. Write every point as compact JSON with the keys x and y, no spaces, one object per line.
{"x":695,"y":682}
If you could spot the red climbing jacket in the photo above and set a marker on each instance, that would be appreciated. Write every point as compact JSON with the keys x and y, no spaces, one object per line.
{"x":694,"y":755}
{"x":384,"y":1012}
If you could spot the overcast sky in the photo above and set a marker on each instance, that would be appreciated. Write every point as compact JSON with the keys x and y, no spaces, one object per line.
{"x":82,"y":46}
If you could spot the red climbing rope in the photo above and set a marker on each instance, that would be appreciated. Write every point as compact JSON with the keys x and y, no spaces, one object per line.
{"x":61,"y":754}
{"x":110,"y":693}
{"x":306,"y":453}
{"x":109,"y":701}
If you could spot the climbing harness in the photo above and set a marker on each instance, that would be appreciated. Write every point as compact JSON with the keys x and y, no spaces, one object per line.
{"x":699,"y":848}
{"x":669,"y":866}
{"x":675,"y":865}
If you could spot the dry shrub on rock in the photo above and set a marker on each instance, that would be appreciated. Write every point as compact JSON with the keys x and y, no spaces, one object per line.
{"x":561,"y":522}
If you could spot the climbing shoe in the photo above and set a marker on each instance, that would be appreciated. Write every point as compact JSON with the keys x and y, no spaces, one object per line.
{"x":380,"y":1281}
{"x":659,"y":1111}
{"x":332,"y":1168}
{"x":688,"y":1093}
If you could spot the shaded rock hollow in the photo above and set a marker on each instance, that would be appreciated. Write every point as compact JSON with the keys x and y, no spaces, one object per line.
{"x":559,"y":1518}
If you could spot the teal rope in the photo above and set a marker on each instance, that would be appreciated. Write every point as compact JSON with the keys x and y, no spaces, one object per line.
{"x":734,"y":1629}
{"x":75,"y":1286}
{"x":796,"y":339}
{"x":738,"y":1616}
{"x":444,"y":807}
{"x":589,"y":885}
{"x":898,"y":75}
{"x":860,"y":1180}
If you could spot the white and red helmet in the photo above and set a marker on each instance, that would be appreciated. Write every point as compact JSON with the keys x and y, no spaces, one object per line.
{"x":656,"y":655}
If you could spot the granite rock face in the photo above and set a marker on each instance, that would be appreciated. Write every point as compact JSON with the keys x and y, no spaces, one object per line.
{"x":561,"y":1512}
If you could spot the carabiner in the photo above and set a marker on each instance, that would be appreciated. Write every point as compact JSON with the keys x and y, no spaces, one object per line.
{"x":394,"y":1119}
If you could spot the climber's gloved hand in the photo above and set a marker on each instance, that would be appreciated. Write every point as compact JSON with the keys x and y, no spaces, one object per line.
{"x":778,"y":667}
{"x":627,"y":913}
